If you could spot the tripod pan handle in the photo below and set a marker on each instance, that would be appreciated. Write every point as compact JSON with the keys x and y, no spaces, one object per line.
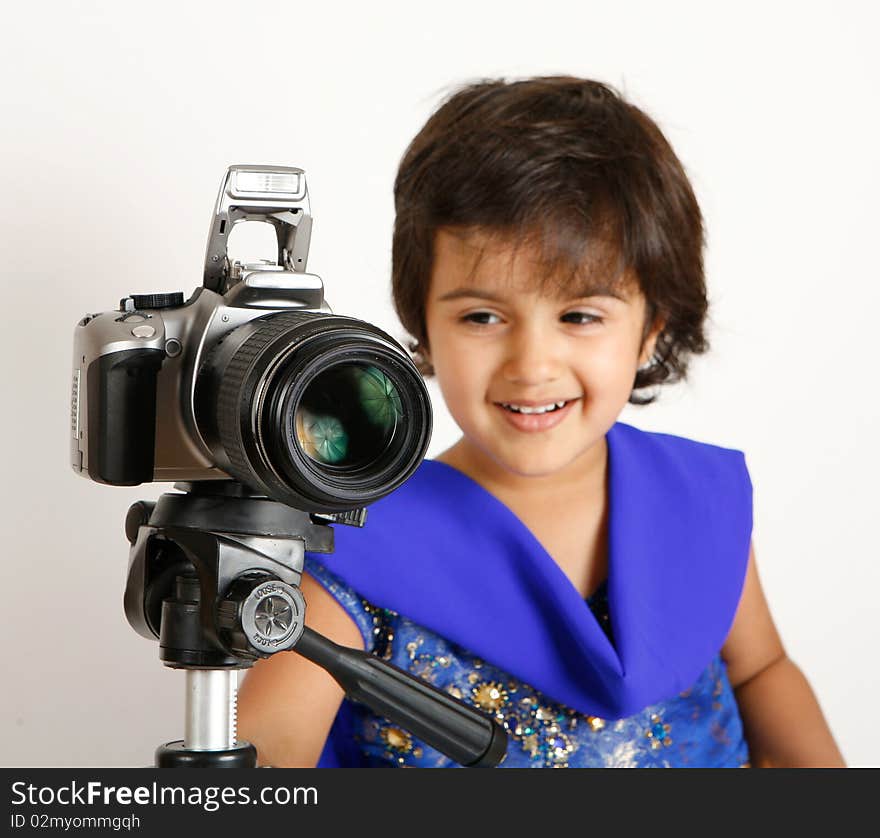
{"x":441,"y":721}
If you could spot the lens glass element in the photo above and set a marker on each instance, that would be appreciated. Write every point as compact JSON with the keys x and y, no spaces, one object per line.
{"x":347,"y":416}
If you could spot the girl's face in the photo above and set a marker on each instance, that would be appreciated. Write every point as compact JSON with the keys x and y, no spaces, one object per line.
{"x":506,"y":355}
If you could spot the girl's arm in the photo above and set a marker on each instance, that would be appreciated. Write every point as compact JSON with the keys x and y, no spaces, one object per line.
{"x":782,"y":720}
{"x":287,"y":704}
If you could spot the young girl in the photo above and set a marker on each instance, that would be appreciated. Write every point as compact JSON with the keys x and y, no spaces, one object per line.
{"x":590,"y":585}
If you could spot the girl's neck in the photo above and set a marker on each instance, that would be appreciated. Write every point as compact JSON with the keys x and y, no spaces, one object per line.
{"x":582,"y":482}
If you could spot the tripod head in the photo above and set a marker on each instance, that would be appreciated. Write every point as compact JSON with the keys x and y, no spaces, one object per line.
{"x":214,"y":574}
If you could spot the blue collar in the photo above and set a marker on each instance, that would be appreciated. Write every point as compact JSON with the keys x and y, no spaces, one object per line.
{"x":448,"y":555}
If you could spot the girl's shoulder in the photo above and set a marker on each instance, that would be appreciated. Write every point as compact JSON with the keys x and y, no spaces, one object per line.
{"x":669,"y":441}
{"x":670,"y":458}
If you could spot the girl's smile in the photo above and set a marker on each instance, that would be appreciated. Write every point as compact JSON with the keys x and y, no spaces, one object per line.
{"x":540,"y":417}
{"x":534,"y":379}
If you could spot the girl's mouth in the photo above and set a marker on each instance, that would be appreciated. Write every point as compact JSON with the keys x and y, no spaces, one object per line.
{"x":535,"y":418}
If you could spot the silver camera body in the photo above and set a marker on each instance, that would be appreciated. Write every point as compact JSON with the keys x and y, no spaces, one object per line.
{"x":252,"y":378}
{"x":180,"y":334}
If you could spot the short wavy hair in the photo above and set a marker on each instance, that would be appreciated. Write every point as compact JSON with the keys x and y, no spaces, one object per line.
{"x":570,"y":164}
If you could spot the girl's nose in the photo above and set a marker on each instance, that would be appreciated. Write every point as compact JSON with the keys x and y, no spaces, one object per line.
{"x":532,"y":359}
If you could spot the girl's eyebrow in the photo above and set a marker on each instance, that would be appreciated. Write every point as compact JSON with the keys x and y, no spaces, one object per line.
{"x":458,"y":293}
{"x":481,"y":294}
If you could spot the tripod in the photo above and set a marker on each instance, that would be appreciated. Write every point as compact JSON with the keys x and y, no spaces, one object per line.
{"x":214,"y":574}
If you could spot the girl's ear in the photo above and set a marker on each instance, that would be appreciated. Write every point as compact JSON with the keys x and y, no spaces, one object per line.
{"x":650,"y":340}
{"x":421,"y":358}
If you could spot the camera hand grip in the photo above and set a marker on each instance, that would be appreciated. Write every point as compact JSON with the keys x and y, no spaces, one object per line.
{"x":453,"y":728}
{"x":122,"y":416}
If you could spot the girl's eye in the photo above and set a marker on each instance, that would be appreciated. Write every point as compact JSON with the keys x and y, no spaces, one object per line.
{"x":581,"y":318}
{"x":482,"y":318}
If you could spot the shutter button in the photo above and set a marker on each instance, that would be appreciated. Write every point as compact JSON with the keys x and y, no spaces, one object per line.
{"x":143,"y":331}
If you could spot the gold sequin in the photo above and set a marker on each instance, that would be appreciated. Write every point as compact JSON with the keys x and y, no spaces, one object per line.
{"x":489,"y":696}
{"x":595,"y":722}
{"x":530,"y":743}
{"x":397,"y":739}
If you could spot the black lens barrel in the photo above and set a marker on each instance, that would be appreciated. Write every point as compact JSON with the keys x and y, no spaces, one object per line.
{"x":258,"y":388}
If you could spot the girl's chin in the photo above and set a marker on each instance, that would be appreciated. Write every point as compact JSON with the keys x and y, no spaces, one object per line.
{"x":533,"y":464}
{"x":554,"y":458}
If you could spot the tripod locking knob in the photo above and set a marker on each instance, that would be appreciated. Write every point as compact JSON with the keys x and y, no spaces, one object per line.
{"x":138,"y":515}
{"x":261,"y":615}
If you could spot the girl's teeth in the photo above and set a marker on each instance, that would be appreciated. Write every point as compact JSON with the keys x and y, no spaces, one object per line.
{"x":542,"y":409}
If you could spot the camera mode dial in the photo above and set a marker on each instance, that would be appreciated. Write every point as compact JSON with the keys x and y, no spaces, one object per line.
{"x":139,"y":302}
{"x":261,"y":615}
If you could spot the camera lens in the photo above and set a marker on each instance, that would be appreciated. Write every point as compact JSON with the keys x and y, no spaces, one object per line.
{"x":347,"y":416}
{"x":324,"y":413}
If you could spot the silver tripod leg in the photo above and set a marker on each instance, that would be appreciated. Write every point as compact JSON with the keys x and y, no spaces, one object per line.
{"x":211,"y":696}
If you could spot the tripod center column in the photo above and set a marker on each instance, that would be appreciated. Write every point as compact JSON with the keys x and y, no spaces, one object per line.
{"x":210,"y":709}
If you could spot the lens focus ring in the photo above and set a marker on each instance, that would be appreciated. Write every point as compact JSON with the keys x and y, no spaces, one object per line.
{"x":237,"y":388}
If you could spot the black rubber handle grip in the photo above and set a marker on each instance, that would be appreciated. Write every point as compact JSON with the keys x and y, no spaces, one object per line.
{"x":122,"y":416}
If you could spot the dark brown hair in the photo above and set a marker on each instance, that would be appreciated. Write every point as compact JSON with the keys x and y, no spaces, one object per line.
{"x":569,"y":164}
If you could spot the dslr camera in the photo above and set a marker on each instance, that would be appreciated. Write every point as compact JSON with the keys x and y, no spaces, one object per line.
{"x":252,"y":378}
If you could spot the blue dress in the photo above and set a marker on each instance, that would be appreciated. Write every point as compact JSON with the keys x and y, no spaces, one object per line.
{"x":446,"y":582}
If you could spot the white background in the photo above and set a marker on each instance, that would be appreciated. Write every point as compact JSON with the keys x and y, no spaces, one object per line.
{"x":118,"y":120}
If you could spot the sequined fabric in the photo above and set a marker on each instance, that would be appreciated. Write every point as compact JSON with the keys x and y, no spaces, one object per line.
{"x":699,"y":727}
